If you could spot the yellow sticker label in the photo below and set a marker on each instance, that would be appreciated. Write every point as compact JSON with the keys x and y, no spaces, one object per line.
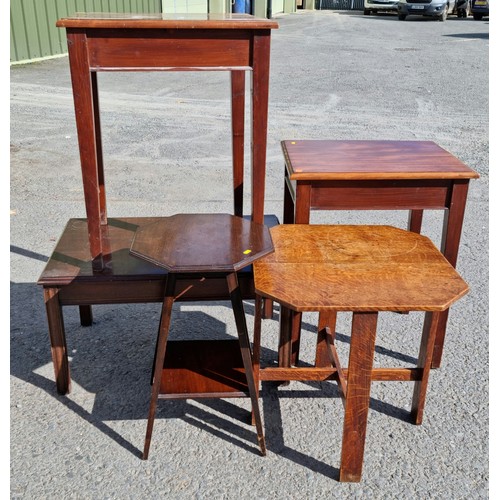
{"x":293,"y":142}
{"x":246,"y":252}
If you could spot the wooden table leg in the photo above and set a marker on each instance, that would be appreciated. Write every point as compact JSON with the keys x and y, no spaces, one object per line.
{"x":241,"y":326}
{"x":161,"y":347}
{"x":86,"y":318}
{"x":83,"y":96}
{"x":452,"y":230}
{"x":238,"y":135}
{"x":302,"y":210}
{"x":431,"y":324}
{"x":364,"y":326}
{"x":98,"y":147}
{"x":415,"y":221}
{"x":260,"y":98}
{"x":289,"y":343}
{"x":327,"y":319}
{"x":288,"y":201}
{"x":57,"y":336}
{"x":257,"y":330}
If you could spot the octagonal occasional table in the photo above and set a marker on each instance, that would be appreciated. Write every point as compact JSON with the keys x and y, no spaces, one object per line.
{"x":364,"y":270}
{"x":203,"y":246}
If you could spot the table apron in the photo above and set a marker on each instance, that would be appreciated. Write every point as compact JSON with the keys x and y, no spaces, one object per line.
{"x":148,"y":49}
{"x":145,"y":291}
{"x":376,"y":195}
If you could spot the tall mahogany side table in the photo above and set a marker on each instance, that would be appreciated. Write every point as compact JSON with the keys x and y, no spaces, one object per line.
{"x":91,"y":264}
{"x":364,"y":270}
{"x":378,"y":175}
{"x":202,"y":246}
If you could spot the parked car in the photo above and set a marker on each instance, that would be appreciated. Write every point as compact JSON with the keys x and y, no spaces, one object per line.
{"x":431,"y":8}
{"x":480,"y":9}
{"x":374,"y":6}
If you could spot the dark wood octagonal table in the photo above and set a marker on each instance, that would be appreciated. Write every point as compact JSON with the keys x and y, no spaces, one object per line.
{"x":203,"y":246}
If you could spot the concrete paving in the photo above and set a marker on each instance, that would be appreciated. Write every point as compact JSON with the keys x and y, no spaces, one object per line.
{"x":167,"y":150}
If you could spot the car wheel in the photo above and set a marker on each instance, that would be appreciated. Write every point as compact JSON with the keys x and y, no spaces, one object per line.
{"x":367,"y":12}
{"x":477,"y":17}
{"x":442,"y":17}
{"x":401,"y":17}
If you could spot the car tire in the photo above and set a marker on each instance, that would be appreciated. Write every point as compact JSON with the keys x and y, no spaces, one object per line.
{"x":401,"y":17}
{"x":367,"y":12}
{"x":477,"y":17}
{"x":442,"y":17}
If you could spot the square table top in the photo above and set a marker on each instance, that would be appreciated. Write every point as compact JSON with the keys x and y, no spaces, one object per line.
{"x":371,"y":160}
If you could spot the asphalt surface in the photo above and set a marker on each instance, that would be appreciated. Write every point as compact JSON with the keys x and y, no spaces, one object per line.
{"x":167,"y":150}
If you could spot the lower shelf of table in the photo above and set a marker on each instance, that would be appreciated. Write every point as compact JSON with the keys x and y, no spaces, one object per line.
{"x":203,"y":369}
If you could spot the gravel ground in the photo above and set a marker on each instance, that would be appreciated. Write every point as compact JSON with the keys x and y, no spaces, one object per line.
{"x":333,"y":75}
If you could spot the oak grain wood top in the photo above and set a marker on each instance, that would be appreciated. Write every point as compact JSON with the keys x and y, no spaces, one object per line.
{"x":103,"y":20}
{"x":369,"y":160}
{"x":356,"y":268}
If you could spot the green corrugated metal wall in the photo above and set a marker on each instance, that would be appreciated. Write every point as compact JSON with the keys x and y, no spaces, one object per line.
{"x":33,"y":32}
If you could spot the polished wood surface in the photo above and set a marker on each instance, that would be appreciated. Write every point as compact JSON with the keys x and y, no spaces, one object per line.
{"x":136,"y":42}
{"x":188,"y":244}
{"x":366,"y":270}
{"x":375,"y":160}
{"x":188,"y":21}
{"x":203,"y":368}
{"x":71,"y":279}
{"x":202,"y":243}
{"x":379,"y":175}
{"x":356,"y":268}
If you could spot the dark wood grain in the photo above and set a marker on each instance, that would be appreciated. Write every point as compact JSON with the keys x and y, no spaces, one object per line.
{"x":213,"y":243}
{"x":144,"y":42}
{"x":118,"y":49}
{"x":84,"y":102}
{"x":69,"y":279}
{"x":202,"y":243}
{"x":59,"y":349}
{"x":161,"y":347}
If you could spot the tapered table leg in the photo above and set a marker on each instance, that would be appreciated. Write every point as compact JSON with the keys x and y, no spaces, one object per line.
{"x":161,"y":346}
{"x":238,"y":135}
{"x":241,"y":325}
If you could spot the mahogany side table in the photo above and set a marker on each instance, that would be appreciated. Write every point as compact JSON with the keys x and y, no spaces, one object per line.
{"x":173,"y":42}
{"x":91,"y":264}
{"x":378,"y":175}
{"x":363,"y":270}
{"x":202,"y":246}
